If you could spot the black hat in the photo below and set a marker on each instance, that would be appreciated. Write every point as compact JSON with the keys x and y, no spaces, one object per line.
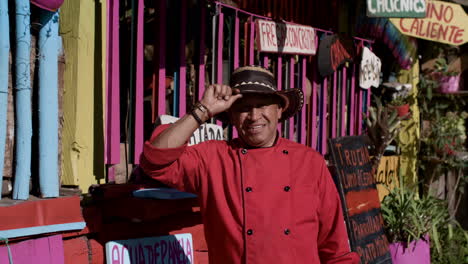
{"x":258,"y":80}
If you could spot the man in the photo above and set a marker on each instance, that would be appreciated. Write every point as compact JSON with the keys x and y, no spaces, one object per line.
{"x":264,"y":199}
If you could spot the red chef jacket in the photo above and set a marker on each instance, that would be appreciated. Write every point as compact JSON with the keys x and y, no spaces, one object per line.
{"x":263,"y":205}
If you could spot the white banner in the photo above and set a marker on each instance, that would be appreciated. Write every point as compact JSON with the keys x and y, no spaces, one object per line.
{"x":203,"y":133}
{"x":369,"y":73}
{"x":285,"y":38}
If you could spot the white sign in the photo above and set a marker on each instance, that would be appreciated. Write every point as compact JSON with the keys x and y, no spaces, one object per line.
{"x":285,"y":38}
{"x":369,"y":73}
{"x":203,"y":133}
{"x":152,"y":250}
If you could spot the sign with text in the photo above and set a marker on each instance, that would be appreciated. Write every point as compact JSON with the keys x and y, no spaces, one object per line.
{"x":280,"y":37}
{"x":333,"y":52}
{"x":352,"y":173}
{"x":151,"y":250}
{"x":203,"y":133}
{"x":444,"y":22}
{"x":369,"y":71}
{"x":387,"y":175}
{"x":396,"y":8}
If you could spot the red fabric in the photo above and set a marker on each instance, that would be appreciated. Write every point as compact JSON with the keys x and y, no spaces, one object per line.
{"x":221,"y":172}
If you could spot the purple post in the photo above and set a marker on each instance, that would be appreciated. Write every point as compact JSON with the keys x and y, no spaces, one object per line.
{"x":182,"y":63}
{"x":159,"y":76}
{"x":265,"y":61}
{"x":313,"y":138}
{"x":113,"y":87}
{"x":291,"y":85}
{"x":236,"y":58}
{"x":138,"y":147}
{"x":219,"y":50}
{"x":352,"y":125}
{"x":334,"y":106}
{"x":359,"y":111}
{"x":201,"y":59}
{"x":303,"y":131}
{"x":251,"y":41}
{"x":343,"y":103}
{"x":279,"y":81}
{"x":323,"y":117}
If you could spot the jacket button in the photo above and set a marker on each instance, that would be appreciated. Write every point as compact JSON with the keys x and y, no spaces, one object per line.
{"x":249,"y":232}
{"x":287,"y":188}
{"x":248,"y":189}
{"x":287,"y":231}
{"x":244,"y":151}
{"x":285,"y":152}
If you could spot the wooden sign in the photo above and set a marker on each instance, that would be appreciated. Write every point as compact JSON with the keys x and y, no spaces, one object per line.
{"x":283,"y":37}
{"x":386,"y":177}
{"x":369,"y":69}
{"x":398,"y":8}
{"x":158,"y":250}
{"x":352,"y":172}
{"x":203,"y":133}
{"x":445,"y":23}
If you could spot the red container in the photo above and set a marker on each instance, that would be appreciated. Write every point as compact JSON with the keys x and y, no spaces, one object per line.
{"x":402,"y":110}
{"x":51,"y":5}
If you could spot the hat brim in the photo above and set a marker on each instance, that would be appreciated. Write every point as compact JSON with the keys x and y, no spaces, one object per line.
{"x":293,"y":100}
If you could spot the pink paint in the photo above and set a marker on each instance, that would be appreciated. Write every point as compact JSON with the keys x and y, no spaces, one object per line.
{"x":113,"y":86}
{"x":303,"y":111}
{"x":313,"y":137}
{"x":236,"y":58}
{"x":219,"y":50}
{"x":265,"y":61}
{"x":291,"y":85}
{"x":182,"y":62}
{"x":47,"y":250}
{"x":352,"y":125}
{"x":201,"y":58}
{"x":323,"y":117}
{"x":279,"y":82}
{"x":334,"y":109}
{"x":343,"y":103}
{"x":159,"y":91}
{"x":138,"y":147}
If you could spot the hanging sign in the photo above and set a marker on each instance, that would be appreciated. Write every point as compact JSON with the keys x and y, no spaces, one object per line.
{"x":369,"y":71}
{"x":445,"y":22}
{"x":159,"y":250}
{"x":396,"y":8}
{"x":353,"y":176}
{"x":203,"y":133}
{"x":333,"y":52}
{"x":280,"y":37}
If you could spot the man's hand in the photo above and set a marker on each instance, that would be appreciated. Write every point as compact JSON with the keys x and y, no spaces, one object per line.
{"x":218,"y":98}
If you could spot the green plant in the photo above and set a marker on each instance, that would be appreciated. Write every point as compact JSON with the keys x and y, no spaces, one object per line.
{"x":399,"y":100}
{"x":441,"y":68}
{"x":408,"y":217}
{"x":454,"y":242}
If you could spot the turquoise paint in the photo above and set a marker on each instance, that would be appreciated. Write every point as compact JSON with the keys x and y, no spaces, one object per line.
{"x":29,"y":231}
{"x":4,"y":55}
{"x":23,"y":101}
{"x":48,"y":103}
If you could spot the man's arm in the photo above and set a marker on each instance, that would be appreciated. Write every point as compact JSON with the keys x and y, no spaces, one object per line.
{"x":216,"y":98}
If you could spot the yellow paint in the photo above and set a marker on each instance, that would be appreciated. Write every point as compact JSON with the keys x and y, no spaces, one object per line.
{"x":82,"y":142}
{"x":387,"y":175}
{"x":409,"y":135}
{"x":445,"y":22}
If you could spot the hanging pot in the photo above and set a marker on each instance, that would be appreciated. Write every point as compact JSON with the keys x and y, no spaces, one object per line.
{"x":449,"y":84}
{"x":417,"y":251}
{"x":402,"y":110}
{"x":51,"y":5}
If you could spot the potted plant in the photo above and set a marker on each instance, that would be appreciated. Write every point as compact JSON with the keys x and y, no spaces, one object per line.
{"x":409,"y":223}
{"x":448,"y":80}
{"x":401,"y":104}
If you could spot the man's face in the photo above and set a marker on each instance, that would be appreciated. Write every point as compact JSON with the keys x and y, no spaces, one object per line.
{"x":256,"y":119}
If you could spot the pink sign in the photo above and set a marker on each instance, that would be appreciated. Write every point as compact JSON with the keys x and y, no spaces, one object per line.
{"x":279,"y":37}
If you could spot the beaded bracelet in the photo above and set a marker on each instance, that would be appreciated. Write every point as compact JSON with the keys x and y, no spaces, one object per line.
{"x":197,"y":118}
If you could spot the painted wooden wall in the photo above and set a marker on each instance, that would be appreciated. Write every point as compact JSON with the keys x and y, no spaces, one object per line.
{"x":82,"y":28}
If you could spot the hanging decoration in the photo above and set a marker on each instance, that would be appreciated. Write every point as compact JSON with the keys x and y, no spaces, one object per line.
{"x":369,"y":71}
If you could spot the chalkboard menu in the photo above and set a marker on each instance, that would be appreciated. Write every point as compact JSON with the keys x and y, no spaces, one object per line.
{"x":353,"y":176}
